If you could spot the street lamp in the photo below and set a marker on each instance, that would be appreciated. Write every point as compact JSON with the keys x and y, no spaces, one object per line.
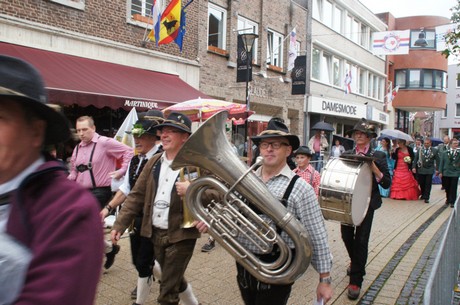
{"x":248,"y":42}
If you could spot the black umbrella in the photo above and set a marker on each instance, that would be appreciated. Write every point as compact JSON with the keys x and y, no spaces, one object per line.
{"x":323,"y":126}
{"x":347,"y":143}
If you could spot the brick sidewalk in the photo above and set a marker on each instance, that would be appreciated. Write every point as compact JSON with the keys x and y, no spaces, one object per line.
{"x":212,"y":274}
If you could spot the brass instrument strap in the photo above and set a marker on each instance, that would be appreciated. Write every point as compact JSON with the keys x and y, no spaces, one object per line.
{"x":286,"y":195}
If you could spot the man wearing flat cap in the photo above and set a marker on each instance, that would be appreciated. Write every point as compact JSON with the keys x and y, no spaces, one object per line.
{"x":356,"y":238}
{"x":51,"y":241}
{"x":157,"y":194}
{"x":275,"y":145}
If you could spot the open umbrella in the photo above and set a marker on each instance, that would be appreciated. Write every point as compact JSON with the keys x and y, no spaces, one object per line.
{"x":436,"y":141}
{"x":394,"y":134}
{"x":201,"y":109}
{"x":323,"y":126}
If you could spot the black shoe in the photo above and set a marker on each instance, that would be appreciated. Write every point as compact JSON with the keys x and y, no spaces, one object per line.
{"x":427,"y":200}
{"x":353,"y":292}
{"x":134,"y":293}
{"x":111,"y":256}
{"x":209,"y":246}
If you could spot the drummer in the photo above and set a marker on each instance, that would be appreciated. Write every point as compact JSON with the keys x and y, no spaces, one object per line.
{"x":356,"y":238}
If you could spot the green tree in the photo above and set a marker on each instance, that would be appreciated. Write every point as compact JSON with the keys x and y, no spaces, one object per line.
{"x":453,"y":48}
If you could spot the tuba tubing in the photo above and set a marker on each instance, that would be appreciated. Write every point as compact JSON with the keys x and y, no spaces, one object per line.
{"x":209,"y":149}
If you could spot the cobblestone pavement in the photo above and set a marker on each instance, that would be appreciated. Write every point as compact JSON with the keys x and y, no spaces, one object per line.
{"x":403,"y":241}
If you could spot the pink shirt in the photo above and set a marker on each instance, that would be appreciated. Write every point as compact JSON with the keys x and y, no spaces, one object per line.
{"x":106,"y":154}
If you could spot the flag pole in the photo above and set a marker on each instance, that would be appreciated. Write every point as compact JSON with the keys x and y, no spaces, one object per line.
{"x":144,"y":39}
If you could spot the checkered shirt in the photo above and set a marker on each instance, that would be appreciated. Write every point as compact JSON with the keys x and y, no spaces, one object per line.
{"x":303,"y":204}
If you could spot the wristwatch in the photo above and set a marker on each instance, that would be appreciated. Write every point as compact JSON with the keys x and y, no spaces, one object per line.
{"x":327,"y":279}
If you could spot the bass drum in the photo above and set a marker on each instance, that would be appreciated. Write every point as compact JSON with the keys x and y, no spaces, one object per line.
{"x":345,"y":190}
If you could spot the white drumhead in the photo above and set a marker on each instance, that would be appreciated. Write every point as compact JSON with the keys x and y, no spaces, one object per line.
{"x":361,"y":194}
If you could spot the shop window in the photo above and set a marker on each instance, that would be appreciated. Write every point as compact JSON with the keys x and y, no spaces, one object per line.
{"x":217,"y":25}
{"x":274,"y":49}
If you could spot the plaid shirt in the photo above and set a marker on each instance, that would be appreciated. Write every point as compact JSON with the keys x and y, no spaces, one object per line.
{"x":302,"y":203}
{"x":307,"y":175}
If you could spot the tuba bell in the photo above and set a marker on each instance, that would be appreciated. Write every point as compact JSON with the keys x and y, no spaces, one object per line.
{"x":231,"y":218}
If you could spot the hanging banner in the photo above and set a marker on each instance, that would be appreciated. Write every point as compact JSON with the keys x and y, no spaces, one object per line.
{"x":242,"y":63}
{"x":299,"y":75}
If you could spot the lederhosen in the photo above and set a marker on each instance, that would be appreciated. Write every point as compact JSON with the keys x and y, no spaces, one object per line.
{"x":102,"y":193}
{"x":141,"y":247}
{"x":255,"y":292}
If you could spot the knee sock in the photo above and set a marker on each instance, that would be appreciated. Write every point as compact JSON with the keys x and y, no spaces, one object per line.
{"x":157,"y":271}
{"x":187,"y":297}
{"x":143,"y":289}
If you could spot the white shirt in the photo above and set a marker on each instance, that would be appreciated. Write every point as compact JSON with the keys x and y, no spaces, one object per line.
{"x":125,"y":188}
{"x":12,"y":185}
{"x":166,"y":181}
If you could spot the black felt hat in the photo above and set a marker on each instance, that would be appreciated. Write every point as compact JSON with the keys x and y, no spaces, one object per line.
{"x":177,"y":120}
{"x":21,"y":82}
{"x":364,"y":126}
{"x":277,"y":129}
{"x":153,"y":115}
{"x":303,"y":150}
{"x":142,"y":127}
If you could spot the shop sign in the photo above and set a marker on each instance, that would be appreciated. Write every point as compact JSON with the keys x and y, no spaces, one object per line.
{"x":376,"y":115}
{"x":336,"y":108}
{"x":141,"y":104}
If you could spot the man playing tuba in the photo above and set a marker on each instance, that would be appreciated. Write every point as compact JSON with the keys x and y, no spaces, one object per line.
{"x":275,"y":145}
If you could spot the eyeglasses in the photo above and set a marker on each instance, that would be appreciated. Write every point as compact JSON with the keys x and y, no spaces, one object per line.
{"x":275,"y":145}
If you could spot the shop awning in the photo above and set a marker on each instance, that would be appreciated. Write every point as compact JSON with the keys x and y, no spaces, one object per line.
{"x":77,"y":80}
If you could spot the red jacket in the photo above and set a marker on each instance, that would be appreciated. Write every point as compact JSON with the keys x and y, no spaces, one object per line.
{"x":59,"y":221}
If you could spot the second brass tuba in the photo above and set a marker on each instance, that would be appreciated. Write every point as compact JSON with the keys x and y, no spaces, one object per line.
{"x":209,"y":149}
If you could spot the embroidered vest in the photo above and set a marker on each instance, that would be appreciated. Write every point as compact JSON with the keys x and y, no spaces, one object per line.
{"x":134,"y":172}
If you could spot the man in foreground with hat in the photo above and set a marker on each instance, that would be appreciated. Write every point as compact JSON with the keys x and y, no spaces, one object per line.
{"x":145,"y":139}
{"x":356,"y":238}
{"x":305,"y":170}
{"x":275,"y":145}
{"x":51,"y":241}
{"x":157,"y":193}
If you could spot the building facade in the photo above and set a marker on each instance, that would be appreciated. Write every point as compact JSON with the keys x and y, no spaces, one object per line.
{"x":420,"y":75}
{"x":348,"y":82}
{"x":447,"y":122}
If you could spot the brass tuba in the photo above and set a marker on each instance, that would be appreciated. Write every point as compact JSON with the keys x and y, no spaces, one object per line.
{"x":209,"y":149}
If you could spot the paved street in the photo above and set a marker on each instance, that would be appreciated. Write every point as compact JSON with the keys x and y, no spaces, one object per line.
{"x":400,"y":235}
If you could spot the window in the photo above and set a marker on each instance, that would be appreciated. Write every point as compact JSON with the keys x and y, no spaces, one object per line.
{"x":78,"y":4}
{"x":422,"y":79}
{"x":337,"y":20}
{"x":457,"y":109}
{"x":365,"y":36}
{"x":458,"y":80}
{"x":141,"y":8}
{"x":247,"y":26}
{"x":355,"y":31}
{"x":362,"y":81}
{"x":414,"y":78}
{"x":423,"y":39}
{"x":348,"y":21}
{"x":444,"y":113}
{"x":336,"y":66}
{"x":274,"y":49}
{"x":316,"y":65}
{"x":217,"y":25}
{"x":327,"y":13}
{"x":317,"y":9}
{"x":326,"y":64}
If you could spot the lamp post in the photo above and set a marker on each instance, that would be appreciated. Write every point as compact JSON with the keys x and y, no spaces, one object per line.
{"x":248,"y":43}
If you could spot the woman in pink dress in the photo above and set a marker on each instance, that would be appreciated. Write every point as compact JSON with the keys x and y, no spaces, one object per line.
{"x":404,"y":185}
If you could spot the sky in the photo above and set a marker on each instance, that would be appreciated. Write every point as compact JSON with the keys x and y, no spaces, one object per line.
{"x":403,"y":8}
